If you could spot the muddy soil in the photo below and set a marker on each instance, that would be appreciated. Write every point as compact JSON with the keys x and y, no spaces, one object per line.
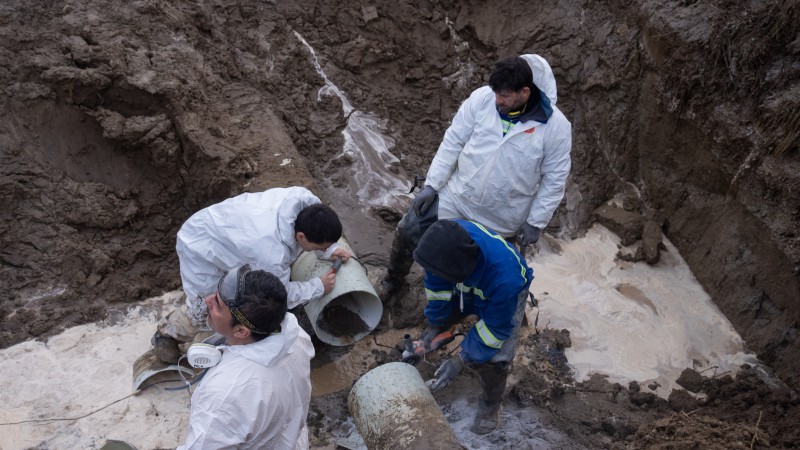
{"x":120,"y":119}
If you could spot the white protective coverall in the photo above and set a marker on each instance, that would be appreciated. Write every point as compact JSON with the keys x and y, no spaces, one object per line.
{"x":503,"y":181}
{"x":257,"y":397}
{"x":254,"y":228}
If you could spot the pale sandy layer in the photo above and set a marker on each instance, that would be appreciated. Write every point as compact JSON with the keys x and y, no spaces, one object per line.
{"x":83,"y":369}
{"x":632,"y":321}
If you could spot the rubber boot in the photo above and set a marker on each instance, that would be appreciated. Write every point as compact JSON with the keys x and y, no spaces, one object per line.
{"x":400,"y":261}
{"x":493,"y":378}
{"x":165,"y":348}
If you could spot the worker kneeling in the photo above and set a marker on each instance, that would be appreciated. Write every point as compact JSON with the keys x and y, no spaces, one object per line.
{"x":470,"y":269}
{"x":257,"y":396}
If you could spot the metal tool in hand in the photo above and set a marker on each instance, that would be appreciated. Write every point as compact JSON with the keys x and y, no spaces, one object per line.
{"x":414,"y":351}
{"x":336,"y":264}
{"x":418,"y":181}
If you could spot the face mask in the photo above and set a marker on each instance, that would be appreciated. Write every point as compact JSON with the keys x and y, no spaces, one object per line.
{"x":203,"y":356}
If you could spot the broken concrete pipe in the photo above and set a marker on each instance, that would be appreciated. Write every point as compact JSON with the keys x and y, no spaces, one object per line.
{"x":351,"y":310}
{"x":393,"y":409}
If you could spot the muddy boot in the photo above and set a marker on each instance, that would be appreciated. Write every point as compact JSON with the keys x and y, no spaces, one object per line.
{"x":400,"y":261}
{"x":493,"y":378}
{"x":165,"y":348}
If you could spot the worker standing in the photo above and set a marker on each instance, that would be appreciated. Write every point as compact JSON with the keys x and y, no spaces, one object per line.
{"x":470,"y":269}
{"x":503,"y":163}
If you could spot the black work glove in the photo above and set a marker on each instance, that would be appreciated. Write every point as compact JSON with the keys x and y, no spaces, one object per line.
{"x":529,"y":234}
{"x":446,"y":373}
{"x":424,"y":200}
{"x":430,"y":333}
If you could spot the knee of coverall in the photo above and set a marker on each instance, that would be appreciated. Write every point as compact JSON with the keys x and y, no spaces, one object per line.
{"x":509,"y":347}
{"x":178,"y":326}
{"x":412,"y":226}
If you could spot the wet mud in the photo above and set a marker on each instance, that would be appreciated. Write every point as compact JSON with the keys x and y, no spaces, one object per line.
{"x":341,"y":321}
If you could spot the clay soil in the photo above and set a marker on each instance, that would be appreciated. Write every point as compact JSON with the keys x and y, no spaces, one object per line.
{"x":119,"y":119}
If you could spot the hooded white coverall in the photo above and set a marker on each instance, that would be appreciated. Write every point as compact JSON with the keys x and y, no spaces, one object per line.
{"x":257,"y":397}
{"x":254,"y":228}
{"x":503,"y":181}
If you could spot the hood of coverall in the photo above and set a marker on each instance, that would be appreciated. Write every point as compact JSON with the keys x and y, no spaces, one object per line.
{"x":543,"y":76}
{"x":271,"y":349}
{"x":294,"y":201}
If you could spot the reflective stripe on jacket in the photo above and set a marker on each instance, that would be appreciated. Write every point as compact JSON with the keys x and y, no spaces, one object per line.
{"x":490,"y":292}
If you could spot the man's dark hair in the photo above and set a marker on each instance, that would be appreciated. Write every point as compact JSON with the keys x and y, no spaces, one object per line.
{"x":319,"y":223}
{"x":511,"y":74}
{"x":263,"y":302}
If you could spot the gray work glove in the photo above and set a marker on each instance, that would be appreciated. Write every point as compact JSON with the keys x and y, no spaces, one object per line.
{"x":529,"y":234}
{"x":446,"y":373}
{"x":424,"y":200}
{"x":430,"y":333}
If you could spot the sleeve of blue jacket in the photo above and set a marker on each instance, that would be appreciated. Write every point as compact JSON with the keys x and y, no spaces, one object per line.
{"x":493,"y":289}
{"x":495,"y":324}
{"x":439,"y":293}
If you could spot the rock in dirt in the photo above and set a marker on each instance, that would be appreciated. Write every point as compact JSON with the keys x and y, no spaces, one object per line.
{"x":680,"y":400}
{"x":651,"y":241}
{"x":625,"y":224}
{"x":690,"y":380}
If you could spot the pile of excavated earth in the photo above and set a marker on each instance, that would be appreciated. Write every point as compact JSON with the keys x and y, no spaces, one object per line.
{"x":120,"y":119}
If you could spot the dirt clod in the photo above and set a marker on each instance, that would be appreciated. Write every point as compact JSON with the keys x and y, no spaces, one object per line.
{"x":339,"y":320}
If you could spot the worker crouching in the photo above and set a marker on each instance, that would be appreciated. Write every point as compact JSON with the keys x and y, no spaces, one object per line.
{"x":470,"y":269}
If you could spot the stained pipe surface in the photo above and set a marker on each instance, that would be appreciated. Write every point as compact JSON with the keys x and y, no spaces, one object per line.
{"x":352,"y":291}
{"x":393,"y":409}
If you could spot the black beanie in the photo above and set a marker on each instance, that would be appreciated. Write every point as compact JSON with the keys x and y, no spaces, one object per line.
{"x":447,"y":251}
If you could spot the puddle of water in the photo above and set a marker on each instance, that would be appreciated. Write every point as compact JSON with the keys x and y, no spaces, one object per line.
{"x":634,"y":293}
{"x":350,"y":365}
{"x":632,"y":321}
{"x":522,"y":428}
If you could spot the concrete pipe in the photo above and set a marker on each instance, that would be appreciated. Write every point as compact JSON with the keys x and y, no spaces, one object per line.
{"x":393,"y":409}
{"x":351,"y":310}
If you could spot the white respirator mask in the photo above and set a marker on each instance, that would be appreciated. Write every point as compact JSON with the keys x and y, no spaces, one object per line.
{"x":203,"y":356}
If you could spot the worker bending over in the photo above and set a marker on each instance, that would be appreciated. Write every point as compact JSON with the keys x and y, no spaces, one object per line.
{"x":268,"y":230}
{"x":470,"y":269}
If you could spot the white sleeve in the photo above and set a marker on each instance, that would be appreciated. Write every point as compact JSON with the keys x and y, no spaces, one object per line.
{"x":298,"y":292}
{"x":456,"y":136}
{"x":220,"y":419}
{"x":326,"y":255}
{"x":555,"y":168}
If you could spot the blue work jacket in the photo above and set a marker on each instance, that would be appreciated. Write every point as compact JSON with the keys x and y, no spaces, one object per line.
{"x":490,"y":292}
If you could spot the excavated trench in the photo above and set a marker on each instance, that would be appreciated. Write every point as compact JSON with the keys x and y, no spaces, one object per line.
{"x":120,"y":119}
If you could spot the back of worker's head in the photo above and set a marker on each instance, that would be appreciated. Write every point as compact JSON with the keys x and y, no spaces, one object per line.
{"x":263,"y":302}
{"x":511,"y":74}
{"x":447,"y":251}
{"x":319,"y":223}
